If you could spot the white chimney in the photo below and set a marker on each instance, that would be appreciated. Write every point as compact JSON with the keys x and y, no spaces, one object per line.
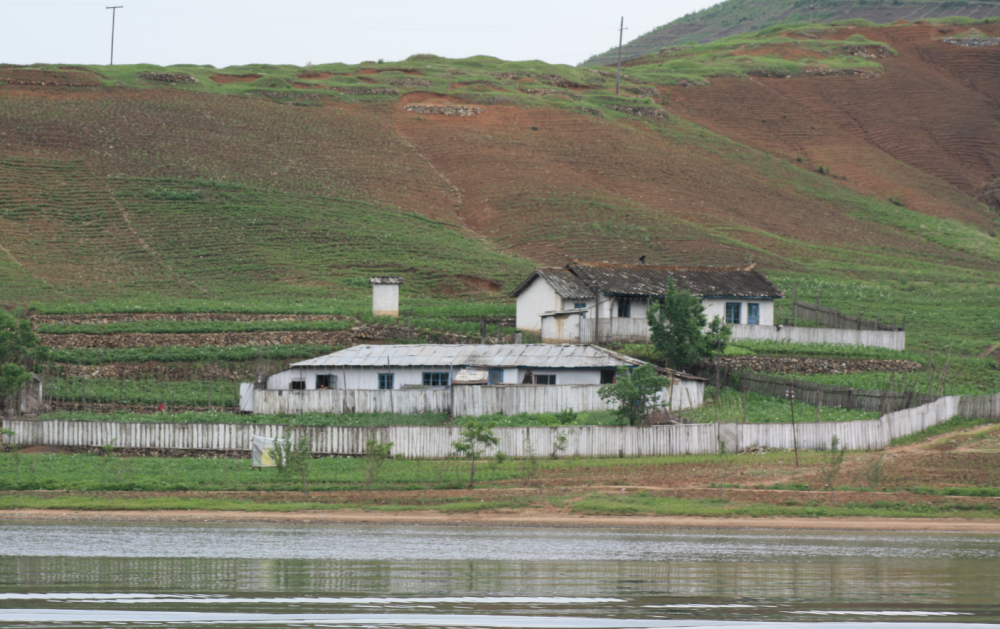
{"x":385,"y":296}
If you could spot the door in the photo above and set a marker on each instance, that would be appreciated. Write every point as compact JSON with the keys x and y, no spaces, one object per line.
{"x":753,"y":314}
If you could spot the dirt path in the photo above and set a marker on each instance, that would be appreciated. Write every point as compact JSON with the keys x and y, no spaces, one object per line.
{"x":520,"y":518}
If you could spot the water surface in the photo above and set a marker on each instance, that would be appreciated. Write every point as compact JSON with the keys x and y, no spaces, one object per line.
{"x":112,"y":574}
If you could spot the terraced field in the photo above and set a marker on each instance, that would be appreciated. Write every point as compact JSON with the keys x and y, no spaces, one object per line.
{"x":854,"y":154}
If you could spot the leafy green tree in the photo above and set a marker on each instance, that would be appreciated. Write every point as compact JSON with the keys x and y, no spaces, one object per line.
{"x":474,"y":436}
{"x":635,"y":391}
{"x":19,"y":352}
{"x":680,"y":330}
{"x":376,"y":453}
{"x":294,"y":457}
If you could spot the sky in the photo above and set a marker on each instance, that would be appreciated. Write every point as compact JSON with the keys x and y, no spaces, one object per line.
{"x":236,"y":32}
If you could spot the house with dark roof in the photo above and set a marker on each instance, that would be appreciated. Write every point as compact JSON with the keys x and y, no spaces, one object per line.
{"x":576,"y":301}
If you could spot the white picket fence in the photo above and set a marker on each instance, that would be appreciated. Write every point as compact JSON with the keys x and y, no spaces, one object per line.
{"x":429,"y":442}
{"x":636,"y":330}
{"x":830,"y":336}
{"x":458,"y":401}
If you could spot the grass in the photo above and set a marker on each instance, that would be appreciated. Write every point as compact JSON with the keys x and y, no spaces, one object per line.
{"x":194,"y":327}
{"x":763,"y":409}
{"x":640,"y":504}
{"x":952,"y":425}
{"x":179,"y":353}
{"x":960,"y":382}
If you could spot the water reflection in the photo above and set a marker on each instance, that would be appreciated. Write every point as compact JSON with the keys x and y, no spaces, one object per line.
{"x":77,"y":573}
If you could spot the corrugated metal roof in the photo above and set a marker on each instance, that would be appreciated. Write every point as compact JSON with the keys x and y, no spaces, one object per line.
{"x":472,"y":375}
{"x":433,"y":355}
{"x":648,"y":279}
{"x":565,"y":283}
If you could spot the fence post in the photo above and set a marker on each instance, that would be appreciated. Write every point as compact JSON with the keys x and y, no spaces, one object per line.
{"x":795,"y":286}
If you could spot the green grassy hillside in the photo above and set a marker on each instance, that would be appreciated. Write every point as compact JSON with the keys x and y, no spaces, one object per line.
{"x":733,"y":17}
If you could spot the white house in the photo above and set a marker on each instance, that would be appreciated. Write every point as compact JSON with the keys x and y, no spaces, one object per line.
{"x":461,"y":379}
{"x":617,"y":296}
{"x":436,"y":365}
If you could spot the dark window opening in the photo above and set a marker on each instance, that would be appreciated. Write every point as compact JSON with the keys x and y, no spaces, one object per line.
{"x":496,"y":376}
{"x":298,"y":385}
{"x":545,"y":379}
{"x":580,"y":305}
{"x":435,"y":379}
{"x":386,"y":381}
{"x":608,"y":376}
{"x":326,"y":382}
{"x":733,"y":311}
{"x":753,"y":314}
{"x":624,"y":307}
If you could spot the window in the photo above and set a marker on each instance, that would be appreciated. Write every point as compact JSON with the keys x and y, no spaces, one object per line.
{"x":733,"y":312}
{"x":580,"y":305}
{"x":545,"y":379}
{"x":298,"y":385}
{"x":386,"y":381}
{"x":326,"y":382}
{"x":624,"y":307}
{"x":608,"y":376}
{"x":435,"y":379}
{"x":753,"y":314}
{"x":496,"y":376}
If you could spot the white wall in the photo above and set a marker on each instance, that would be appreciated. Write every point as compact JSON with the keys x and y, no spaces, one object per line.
{"x":385,"y":300}
{"x":563,"y":376}
{"x":539,"y":297}
{"x":561,"y":328}
{"x":354,"y":377}
{"x":717,"y":308}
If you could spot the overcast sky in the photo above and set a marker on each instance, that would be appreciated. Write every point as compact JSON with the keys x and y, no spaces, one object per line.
{"x":235,"y":32}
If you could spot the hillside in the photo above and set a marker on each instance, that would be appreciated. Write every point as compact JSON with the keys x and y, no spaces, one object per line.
{"x":734,"y":17}
{"x":853,"y":153}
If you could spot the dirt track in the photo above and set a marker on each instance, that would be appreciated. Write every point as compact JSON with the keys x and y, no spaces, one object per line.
{"x":521,"y":518}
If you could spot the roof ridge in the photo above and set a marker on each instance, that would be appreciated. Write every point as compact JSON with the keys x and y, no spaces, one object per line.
{"x":661,"y":267}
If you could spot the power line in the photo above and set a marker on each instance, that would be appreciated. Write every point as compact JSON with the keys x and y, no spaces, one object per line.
{"x":621,"y":32}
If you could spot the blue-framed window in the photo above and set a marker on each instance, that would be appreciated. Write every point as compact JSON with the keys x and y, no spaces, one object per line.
{"x":733,"y":312}
{"x":624,"y":307}
{"x":496,"y":376}
{"x":753,"y":314}
{"x":435,"y":378}
{"x":550,"y":379}
{"x":580,"y":305}
{"x":386,"y":381}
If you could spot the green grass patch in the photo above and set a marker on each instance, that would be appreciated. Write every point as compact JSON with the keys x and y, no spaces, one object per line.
{"x":179,"y":353}
{"x":639,"y":504}
{"x":195,"y":327}
{"x":764,"y":409}
{"x":952,"y":425}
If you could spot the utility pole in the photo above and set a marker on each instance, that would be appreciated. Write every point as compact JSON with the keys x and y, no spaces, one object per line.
{"x":114,"y":11}
{"x":621,"y":32}
{"x":811,"y":9}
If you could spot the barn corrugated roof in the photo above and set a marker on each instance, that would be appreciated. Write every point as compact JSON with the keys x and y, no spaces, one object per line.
{"x":649,"y":279}
{"x":533,"y":356}
{"x":440,"y":355}
{"x":563,"y":281}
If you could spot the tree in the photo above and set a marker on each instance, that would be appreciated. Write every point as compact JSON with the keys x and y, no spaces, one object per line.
{"x":376,"y":454}
{"x":680,"y":330}
{"x":19,"y":352}
{"x":294,"y":457}
{"x":474,"y":436}
{"x":636,"y":392}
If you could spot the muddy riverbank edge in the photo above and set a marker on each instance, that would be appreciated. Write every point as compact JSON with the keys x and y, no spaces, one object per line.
{"x":525,"y":519}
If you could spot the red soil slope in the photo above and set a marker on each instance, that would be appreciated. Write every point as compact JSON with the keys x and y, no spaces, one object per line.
{"x":923,"y":131}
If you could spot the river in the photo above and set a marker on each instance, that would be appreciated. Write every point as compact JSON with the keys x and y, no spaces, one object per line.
{"x":318,"y":575}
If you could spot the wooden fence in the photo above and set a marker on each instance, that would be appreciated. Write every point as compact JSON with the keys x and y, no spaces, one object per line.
{"x":618,"y":329}
{"x":871,"y":400}
{"x":624,"y":330}
{"x":457,"y":401}
{"x":833,"y":318}
{"x":830,"y":336}
{"x":428,"y":442}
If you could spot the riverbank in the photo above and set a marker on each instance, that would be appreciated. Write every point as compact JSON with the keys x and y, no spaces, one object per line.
{"x":522,"y":519}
